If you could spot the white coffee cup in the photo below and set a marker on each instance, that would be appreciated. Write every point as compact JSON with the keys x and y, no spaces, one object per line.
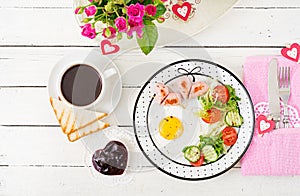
{"x":104,"y":76}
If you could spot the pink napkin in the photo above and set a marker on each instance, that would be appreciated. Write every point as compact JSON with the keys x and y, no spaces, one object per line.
{"x":277,"y":152}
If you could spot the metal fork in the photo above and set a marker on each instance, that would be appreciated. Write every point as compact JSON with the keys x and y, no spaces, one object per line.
{"x":284,"y":80}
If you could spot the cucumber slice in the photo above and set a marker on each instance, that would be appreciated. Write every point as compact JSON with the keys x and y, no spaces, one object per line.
{"x":233,"y":118}
{"x":209,"y":153}
{"x":192,"y":153}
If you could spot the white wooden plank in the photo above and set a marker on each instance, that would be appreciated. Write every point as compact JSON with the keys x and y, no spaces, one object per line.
{"x":45,"y":147}
{"x":68,"y":4}
{"x":39,"y":146}
{"x":44,"y":4}
{"x":268,"y":4}
{"x":24,"y":105}
{"x":31,"y":106}
{"x":35,"y":181}
{"x":58,"y":27}
{"x":241,"y":28}
{"x":34,"y":64}
{"x":31,"y":66}
{"x":50,"y":27}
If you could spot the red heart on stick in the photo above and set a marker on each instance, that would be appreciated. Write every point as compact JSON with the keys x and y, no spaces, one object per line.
{"x":108,"y":48}
{"x":182,"y":11}
{"x":264,"y":125}
{"x":292,"y":52}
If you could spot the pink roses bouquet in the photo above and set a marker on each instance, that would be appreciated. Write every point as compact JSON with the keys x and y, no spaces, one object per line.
{"x":123,"y":18}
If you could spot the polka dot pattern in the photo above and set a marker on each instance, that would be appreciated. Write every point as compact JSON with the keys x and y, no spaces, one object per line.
{"x":170,"y":165}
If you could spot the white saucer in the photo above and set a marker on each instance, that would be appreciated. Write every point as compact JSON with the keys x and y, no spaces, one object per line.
{"x":113,"y":84}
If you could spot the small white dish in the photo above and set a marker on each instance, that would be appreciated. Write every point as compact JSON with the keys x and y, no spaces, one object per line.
{"x":113,"y":85}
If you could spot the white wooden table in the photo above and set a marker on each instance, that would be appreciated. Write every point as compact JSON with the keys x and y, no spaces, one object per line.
{"x":35,"y":157}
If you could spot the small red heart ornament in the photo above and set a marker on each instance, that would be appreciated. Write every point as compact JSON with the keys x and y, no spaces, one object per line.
{"x":292,"y":52}
{"x":264,"y":125}
{"x":108,"y":48}
{"x":182,"y":11}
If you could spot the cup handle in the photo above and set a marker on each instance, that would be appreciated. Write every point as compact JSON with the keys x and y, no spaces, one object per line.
{"x":110,"y":72}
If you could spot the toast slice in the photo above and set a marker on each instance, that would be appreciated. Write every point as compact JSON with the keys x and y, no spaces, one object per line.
{"x":73,"y":119}
{"x":89,"y":129}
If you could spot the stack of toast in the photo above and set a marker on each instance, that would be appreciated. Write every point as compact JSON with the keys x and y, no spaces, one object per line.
{"x":77,"y":123}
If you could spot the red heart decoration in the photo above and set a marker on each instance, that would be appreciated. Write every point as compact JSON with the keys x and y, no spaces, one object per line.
{"x":264,"y":125}
{"x":292,"y":52}
{"x":182,"y":11}
{"x":108,"y":48}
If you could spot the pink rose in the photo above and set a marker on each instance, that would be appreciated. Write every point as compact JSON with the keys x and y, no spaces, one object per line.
{"x":77,"y":10}
{"x":135,"y":22}
{"x":109,"y":32}
{"x":121,"y":24}
{"x":88,"y":31}
{"x":136,"y":10}
{"x":91,"y":10}
{"x":150,"y":9}
{"x":136,"y":25}
{"x":91,"y":1}
{"x":137,"y":29}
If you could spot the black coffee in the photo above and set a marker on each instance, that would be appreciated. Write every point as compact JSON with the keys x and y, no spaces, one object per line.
{"x":81,"y":85}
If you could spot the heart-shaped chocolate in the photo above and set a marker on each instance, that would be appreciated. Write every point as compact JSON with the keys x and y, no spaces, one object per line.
{"x":112,"y":160}
{"x":292,"y":52}
{"x":264,"y":125}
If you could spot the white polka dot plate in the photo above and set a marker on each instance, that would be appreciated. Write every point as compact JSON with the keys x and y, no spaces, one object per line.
{"x":165,"y":154}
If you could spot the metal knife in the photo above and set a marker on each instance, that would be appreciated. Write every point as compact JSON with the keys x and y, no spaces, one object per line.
{"x":273,"y":92}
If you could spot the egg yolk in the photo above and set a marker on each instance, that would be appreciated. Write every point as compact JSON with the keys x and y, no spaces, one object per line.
{"x":170,"y":128}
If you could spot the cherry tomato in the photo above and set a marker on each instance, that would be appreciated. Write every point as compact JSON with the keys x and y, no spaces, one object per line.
{"x":199,"y":162}
{"x":213,"y":115}
{"x":229,"y":136}
{"x":221,"y":93}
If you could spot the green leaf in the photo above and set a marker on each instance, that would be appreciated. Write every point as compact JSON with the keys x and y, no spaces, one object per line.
{"x":146,"y":2}
{"x":206,"y":101}
{"x":149,"y":38}
{"x":233,"y":99}
{"x":204,"y":140}
{"x":218,"y":145}
{"x":185,"y":148}
{"x":160,"y":10}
